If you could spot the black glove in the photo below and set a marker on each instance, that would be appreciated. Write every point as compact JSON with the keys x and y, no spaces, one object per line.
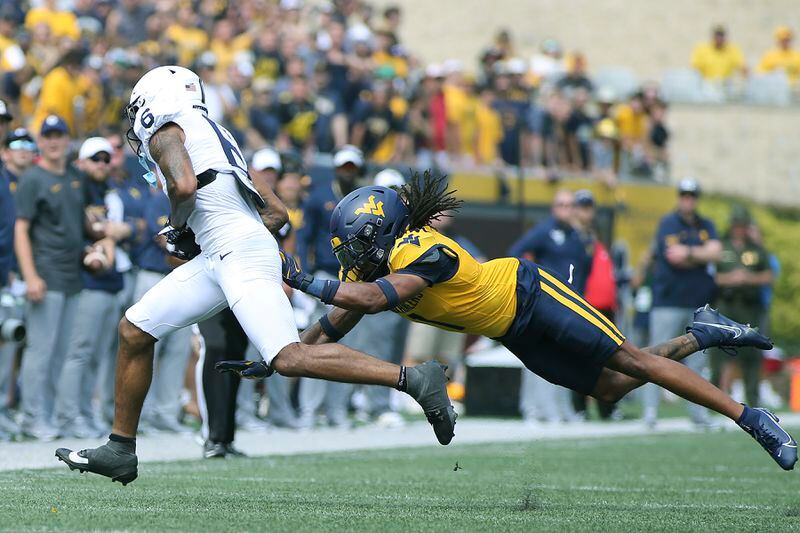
{"x":245,"y":369}
{"x":293,"y":275}
{"x":180,"y":242}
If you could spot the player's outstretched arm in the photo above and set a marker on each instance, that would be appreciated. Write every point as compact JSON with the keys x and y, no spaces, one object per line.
{"x":386,"y":293}
{"x":381,"y":295}
{"x":169,"y":153}
{"x":331,"y":327}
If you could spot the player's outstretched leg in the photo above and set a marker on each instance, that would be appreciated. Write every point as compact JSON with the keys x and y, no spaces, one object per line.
{"x":426,"y":383}
{"x":679,"y":379}
{"x":709,"y":329}
{"x":117,"y":458}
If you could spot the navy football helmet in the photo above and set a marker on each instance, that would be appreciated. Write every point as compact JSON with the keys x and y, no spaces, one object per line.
{"x":364,"y":226}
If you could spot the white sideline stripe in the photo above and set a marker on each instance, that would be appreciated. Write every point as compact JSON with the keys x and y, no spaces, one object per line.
{"x":165,"y":447}
{"x":601,"y":488}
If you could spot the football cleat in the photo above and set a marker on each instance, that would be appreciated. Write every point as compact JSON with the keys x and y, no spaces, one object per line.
{"x":713,"y":329}
{"x":214,"y":450}
{"x":764,"y":428}
{"x":232,"y":451}
{"x":106,"y":460}
{"x":427,"y":384}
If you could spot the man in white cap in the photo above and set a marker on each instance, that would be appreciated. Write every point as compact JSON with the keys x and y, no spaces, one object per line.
{"x":266,"y":163}
{"x":97,"y":310}
{"x":314,"y":251}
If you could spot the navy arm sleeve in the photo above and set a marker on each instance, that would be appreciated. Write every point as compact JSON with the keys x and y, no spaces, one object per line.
{"x":437,"y":265}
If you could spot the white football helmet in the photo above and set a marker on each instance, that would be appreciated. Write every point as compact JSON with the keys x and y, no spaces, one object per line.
{"x":170,"y":85}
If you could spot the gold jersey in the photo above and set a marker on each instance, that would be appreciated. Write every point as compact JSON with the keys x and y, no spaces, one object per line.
{"x":464,"y":295}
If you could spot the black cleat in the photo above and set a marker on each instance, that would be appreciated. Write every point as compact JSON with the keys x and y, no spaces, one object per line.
{"x":711,"y":328}
{"x":231,"y":451}
{"x":772,"y":437}
{"x":214,"y":450}
{"x":105,"y":460}
{"x":427,"y":384}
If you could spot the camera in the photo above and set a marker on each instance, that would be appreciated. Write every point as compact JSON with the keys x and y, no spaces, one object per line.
{"x":12,"y":328}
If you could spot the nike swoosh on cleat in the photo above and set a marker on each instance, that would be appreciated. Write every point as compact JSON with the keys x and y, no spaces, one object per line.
{"x":736,"y":331}
{"x":775,"y":420}
{"x":75,"y":458}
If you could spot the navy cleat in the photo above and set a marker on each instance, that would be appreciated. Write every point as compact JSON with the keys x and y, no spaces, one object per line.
{"x":763,"y":426}
{"x":713,"y":329}
{"x":427,"y":384}
{"x":110,"y":460}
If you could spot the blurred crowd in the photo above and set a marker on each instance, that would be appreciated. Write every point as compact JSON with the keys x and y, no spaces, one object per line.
{"x":316,"y":77}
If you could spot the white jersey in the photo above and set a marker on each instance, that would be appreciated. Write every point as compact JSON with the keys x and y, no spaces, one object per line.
{"x":225,"y":211}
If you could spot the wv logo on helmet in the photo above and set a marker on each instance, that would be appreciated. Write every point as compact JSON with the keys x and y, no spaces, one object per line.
{"x":371,"y":208}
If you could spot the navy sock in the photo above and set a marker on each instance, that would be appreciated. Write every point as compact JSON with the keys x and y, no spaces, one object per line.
{"x":703,"y":339}
{"x":749,"y":417}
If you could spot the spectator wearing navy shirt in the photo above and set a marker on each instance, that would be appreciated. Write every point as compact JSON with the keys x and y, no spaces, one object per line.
{"x":162,"y":404}
{"x":685,"y":250}
{"x":514,"y":113}
{"x":17,"y":155}
{"x":313,"y":239}
{"x":555,"y":244}
{"x":316,"y":255}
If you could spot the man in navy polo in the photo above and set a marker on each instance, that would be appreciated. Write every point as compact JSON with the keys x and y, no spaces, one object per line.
{"x":316,"y":255}
{"x":684,"y":253}
{"x":555,"y":244}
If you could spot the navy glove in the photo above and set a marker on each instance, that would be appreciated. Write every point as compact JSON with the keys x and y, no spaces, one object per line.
{"x":294,"y":277}
{"x":245,"y":369}
{"x":180,"y":242}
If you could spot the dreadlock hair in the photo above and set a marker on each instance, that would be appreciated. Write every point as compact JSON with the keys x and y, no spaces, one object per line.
{"x":427,"y":199}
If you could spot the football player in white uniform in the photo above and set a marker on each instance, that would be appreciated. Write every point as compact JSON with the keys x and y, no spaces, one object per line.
{"x":220,"y":222}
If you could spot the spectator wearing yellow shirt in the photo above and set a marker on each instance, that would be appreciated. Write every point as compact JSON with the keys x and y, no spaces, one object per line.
{"x":489,"y":129}
{"x":631,"y":119}
{"x":184,"y":34}
{"x":633,"y":125}
{"x":783,"y":56}
{"x":226,"y":44}
{"x":718,"y":60}
{"x":12,"y":58}
{"x":61,"y":23}
{"x":90,"y":86}
{"x":456,"y":103}
{"x":385,"y":55}
{"x":60,"y":88}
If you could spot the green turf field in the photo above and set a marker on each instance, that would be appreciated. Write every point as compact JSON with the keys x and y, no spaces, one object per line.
{"x":697,"y":482}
